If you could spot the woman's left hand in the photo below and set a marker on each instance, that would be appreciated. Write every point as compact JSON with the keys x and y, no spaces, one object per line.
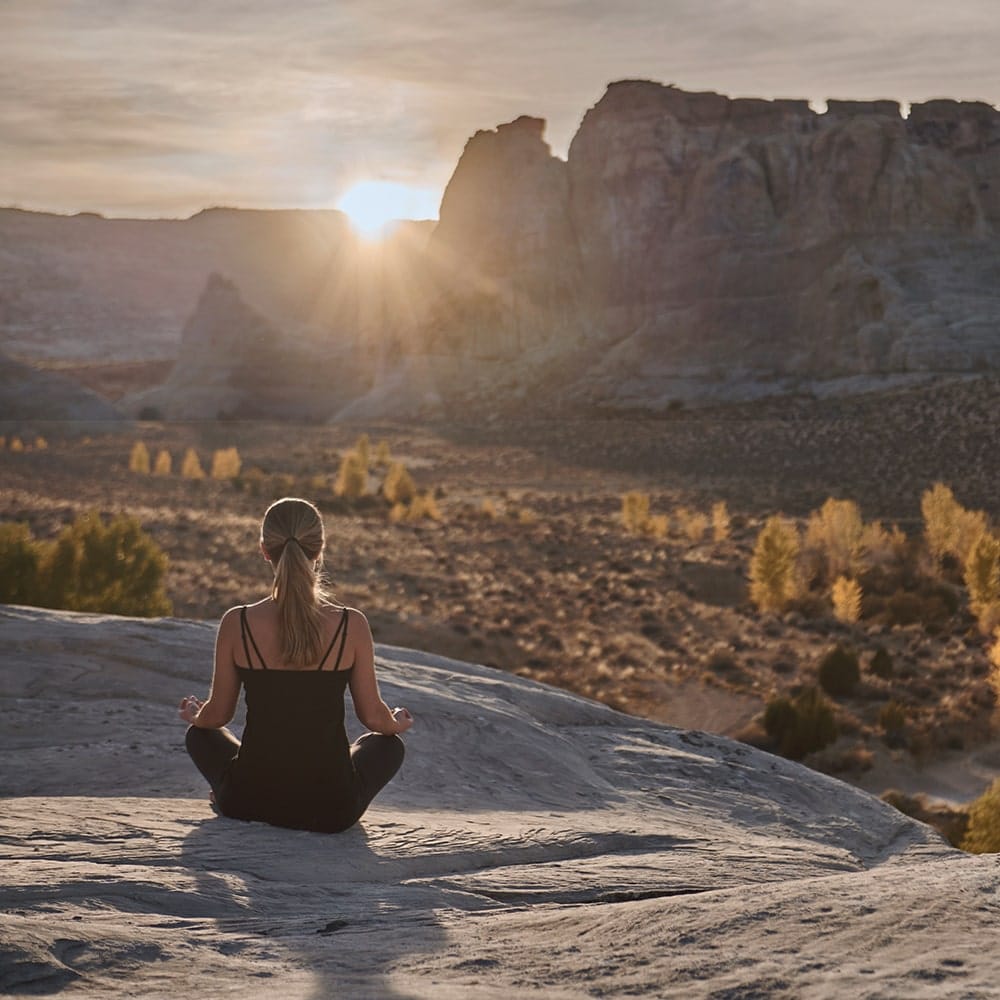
{"x":189,"y":708}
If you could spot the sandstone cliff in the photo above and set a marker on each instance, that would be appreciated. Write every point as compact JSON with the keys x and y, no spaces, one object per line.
{"x":534,"y":844}
{"x":693,"y":244}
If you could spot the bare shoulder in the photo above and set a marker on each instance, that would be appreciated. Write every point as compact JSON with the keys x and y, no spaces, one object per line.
{"x":230,"y":618}
{"x":357,"y":619}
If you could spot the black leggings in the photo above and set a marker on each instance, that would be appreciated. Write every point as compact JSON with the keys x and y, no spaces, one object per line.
{"x":376,"y":758}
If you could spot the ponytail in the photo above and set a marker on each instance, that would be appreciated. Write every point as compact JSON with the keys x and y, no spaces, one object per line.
{"x":292,"y":535}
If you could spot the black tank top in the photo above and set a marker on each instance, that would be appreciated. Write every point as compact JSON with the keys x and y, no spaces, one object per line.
{"x":294,"y":766}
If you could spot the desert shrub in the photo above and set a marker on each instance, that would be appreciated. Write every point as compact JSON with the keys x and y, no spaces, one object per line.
{"x":363,"y":449}
{"x":423,"y":505}
{"x":488,"y":509}
{"x":398,"y":486}
{"x":20,"y":555}
{"x":833,"y":538}
{"x":949,"y":529}
{"x":635,"y":511}
{"x":226,"y":463}
{"x":982,"y":579}
{"x":40,"y":443}
{"x":191,"y":465}
{"x":352,"y":477}
{"x":881,"y":663}
{"x":114,"y":567}
{"x":800,"y":726}
{"x":164,"y":463}
{"x":383,"y":455}
{"x":892,"y":718}
{"x":846,"y":597}
{"x":881,"y":548}
{"x":691,"y":523}
{"x":138,"y":460}
{"x":983,"y":833}
{"x":839,"y":672}
{"x":656,"y":526}
{"x":720,"y":521}
{"x":16,"y":445}
{"x":773,"y":581}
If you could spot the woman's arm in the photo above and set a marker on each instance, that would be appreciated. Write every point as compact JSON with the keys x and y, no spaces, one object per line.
{"x":225,"y":691}
{"x":371,"y":710}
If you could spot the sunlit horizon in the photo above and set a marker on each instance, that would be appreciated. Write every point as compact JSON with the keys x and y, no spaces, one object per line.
{"x":374,"y":208}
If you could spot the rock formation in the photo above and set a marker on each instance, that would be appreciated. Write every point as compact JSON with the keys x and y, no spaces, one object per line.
{"x":693,"y":244}
{"x":535,"y":844}
{"x":28,"y":394}
{"x":234,"y":363}
{"x":690,"y":246}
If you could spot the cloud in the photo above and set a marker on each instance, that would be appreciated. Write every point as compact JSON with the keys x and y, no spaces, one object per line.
{"x":289,"y":105}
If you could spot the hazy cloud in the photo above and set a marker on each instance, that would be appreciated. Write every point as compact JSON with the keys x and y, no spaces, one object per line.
{"x":167,"y":105}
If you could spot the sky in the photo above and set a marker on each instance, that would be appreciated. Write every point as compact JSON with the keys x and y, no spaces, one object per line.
{"x":163,"y":107}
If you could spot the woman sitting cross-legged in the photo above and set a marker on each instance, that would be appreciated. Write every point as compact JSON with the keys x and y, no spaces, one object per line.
{"x":294,"y":653}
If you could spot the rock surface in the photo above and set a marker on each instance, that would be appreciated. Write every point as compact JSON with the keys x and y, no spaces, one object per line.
{"x":535,"y":844}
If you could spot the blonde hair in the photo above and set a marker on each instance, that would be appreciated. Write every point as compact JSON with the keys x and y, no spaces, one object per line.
{"x":293,"y":537}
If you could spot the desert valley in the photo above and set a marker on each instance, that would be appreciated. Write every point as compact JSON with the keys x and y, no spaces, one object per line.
{"x":604,"y":378}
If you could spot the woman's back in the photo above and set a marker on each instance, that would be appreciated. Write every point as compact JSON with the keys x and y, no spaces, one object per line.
{"x":261,"y":640}
{"x":293,"y":654}
{"x":294,"y":766}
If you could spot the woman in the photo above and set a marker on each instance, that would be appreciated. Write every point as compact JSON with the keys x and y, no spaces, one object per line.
{"x":294,"y":653}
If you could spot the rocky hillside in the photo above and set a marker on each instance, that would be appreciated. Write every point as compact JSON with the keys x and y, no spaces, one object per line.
{"x":695,"y":245}
{"x":603,"y":856}
{"x":691,"y":246}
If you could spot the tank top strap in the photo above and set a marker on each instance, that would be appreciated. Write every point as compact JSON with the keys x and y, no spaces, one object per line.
{"x":246,"y":633}
{"x":341,"y":633}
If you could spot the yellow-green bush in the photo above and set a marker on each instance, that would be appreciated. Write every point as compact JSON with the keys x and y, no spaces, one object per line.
{"x":138,"y":460}
{"x":383,"y":455}
{"x":352,"y":477}
{"x":833,"y":537}
{"x":398,"y":486}
{"x":191,"y":465}
{"x":691,"y":523}
{"x":720,"y":521}
{"x":91,"y":566}
{"x":773,"y":577}
{"x":423,"y":505}
{"x":949,"y":529}
{"x":164,"y":463}
{"x":362,"y":448}
{"x":983,"y":833}
{"x":226,"y":463}
{"x":846,"y":597}
{"x":16,"y":445}
{"x":635,"y":511}
{"x":982,"y":579}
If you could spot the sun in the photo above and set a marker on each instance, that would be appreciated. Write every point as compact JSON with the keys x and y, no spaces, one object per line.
{"x":375,"y":206}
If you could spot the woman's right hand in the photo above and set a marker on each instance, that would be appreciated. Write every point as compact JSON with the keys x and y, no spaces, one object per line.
{"x":402,"y":718}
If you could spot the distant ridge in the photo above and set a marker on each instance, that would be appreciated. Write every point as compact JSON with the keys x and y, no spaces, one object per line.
{"x":691,"y":247}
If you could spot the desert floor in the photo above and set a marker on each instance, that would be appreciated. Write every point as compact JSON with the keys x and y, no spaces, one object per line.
{"x":529,"y":568}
